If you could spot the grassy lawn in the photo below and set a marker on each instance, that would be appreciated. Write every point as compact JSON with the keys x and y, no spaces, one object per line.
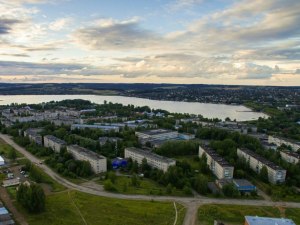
{"x":146,"y":187}
{"x":63,"y":209}
{"x":278,"y":192}
{"x":191,"y":160}
{"x":5,"y":148}
{"x":234,"y":214}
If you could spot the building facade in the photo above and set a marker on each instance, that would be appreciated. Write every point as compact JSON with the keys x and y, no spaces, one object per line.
{"x":295,"y":145}
{"x":154,"y":160}
{"x":219,"y":166}
{"x":98,"y":162}
{"x":275,"y":173}
{"x":101,"y":127}
{"x":290,"y":157}
{"x":54,"y":143}
{"x":34,"y":136}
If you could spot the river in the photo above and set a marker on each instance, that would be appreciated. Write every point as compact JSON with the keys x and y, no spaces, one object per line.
{"x":208,"y":110}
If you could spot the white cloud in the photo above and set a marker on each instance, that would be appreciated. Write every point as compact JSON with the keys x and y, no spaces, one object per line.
{"x":59,"y":24}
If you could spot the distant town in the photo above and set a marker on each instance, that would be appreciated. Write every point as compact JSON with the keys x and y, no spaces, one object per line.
{"x":111,"y":149}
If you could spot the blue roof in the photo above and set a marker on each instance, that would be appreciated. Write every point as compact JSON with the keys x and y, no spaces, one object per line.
{"x":3,"y":211}
{"x":255,"y":220}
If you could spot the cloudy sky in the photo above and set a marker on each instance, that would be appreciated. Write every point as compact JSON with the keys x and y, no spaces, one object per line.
{"x":254,"y":42}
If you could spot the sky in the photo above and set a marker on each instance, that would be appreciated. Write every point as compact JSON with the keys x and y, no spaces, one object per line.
{"x":248,"y":42}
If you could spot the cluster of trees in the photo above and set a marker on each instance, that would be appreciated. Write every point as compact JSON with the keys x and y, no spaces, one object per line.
{"x":31,"y":197}
{"x":178,"y":148}
{"x":65,"y":164}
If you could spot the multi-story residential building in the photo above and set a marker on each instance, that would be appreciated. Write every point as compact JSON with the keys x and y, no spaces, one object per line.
{"x":219,"y":166}
{"x":276,"y":174}
{"x":34,"y":136}
{"x":98,"y":162}
{"x":101,"y":127}
{"x":53,"y":142}
{"x":291,"y":157}
{"x":295,"y":145}
{"x":154,"y":160}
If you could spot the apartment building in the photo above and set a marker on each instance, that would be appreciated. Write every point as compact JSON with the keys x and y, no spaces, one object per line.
{"x":276,"y":174}
{"x":219,"y":166}
{"x":154,"y":160}
{"x":34,"y":136}
{"x":98,"y":162}
{"x":54,"y":143}
{"x":295,"y":145}
{"x":157,"y":134}
{"x":101,"y":127}
{"x":290,"y":157}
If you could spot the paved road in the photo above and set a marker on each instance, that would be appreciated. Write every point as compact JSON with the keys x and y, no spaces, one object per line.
{"x":192,"y":204}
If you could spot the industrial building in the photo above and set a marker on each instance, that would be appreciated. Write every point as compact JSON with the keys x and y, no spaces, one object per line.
{"x":54,"y":143}
{"x":154,"y":160}
{"x":275,"y":173}
{"x":158,"y":134}
{"x":98,"y":162}
{"x":257,"y":220}
{"x":219,"y":166}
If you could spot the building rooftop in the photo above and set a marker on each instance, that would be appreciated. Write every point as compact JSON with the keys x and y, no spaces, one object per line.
{"x":83,"y":151}
{"x":261,"y":159}
{"x":3,"y":211}
{"x":242,"y":182}
{"x":216,"y":157}
{"x":55,"y":139}
{"x":255,"y":220}
{"x":150,"y":155}
{"x":156,"y":131}
{"x":293,"y":154}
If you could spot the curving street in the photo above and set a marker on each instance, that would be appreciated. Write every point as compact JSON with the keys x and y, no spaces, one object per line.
{"x":192,"y":203}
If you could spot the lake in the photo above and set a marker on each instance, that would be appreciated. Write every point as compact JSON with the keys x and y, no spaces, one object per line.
{"x":208,"y":110}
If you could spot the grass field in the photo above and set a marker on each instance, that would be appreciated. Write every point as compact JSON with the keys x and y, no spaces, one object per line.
{"x":146,"y":187}
{"x":5,"y":148}
{"x":65,"y":208}
{"x":234,"y":214}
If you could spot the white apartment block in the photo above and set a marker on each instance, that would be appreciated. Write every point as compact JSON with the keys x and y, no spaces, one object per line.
{"x":98,"y":162}
{"x":290,"y":157}
{"x":219,"y":166}
{"x":54,"y":143}
{"x":101,"y":127}
{"x":275,"y":173}
{"x":280,"y":141}
{"x":34,"y":136}
{"x":154,"y":160}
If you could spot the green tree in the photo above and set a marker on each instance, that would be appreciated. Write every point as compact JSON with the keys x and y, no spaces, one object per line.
{"x":12,"y":154}
{"x":263,"y":174}
{"x":230,"y":190}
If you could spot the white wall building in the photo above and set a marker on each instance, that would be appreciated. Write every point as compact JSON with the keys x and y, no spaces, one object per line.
{"x":290,"y":157}
{"x":104,"y":128}
{"x":280,"y":141}
{"x":154,"y":160}
{"x":98,"y":162}
{"x":219,"y":166}
{"x":54,"y":143}
{"x":275,"y":173}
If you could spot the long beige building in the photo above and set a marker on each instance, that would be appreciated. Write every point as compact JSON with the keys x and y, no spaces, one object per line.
{"x":295,"y":145}
{"x":276,"y":174}
{"x":154,"y":160}
{"x":219,"y":166}
{"x":98,"y":162}
{"x":54,"y":143}
{"x":290,"y":157}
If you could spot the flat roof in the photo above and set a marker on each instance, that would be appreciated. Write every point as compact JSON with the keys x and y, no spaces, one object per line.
{"x":215,"y":156}
{"x":255,"y":220}
{"x":287,"y":139}
{"x":261,"y":159}
{"x":86,"y":152}
{"x":156,"y":131}
{"x":150,"y":155}
{"x":55,"y":139}
{"x":242,"y":182}
{"x":293,"y":154}
{"x":3,"y":211}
